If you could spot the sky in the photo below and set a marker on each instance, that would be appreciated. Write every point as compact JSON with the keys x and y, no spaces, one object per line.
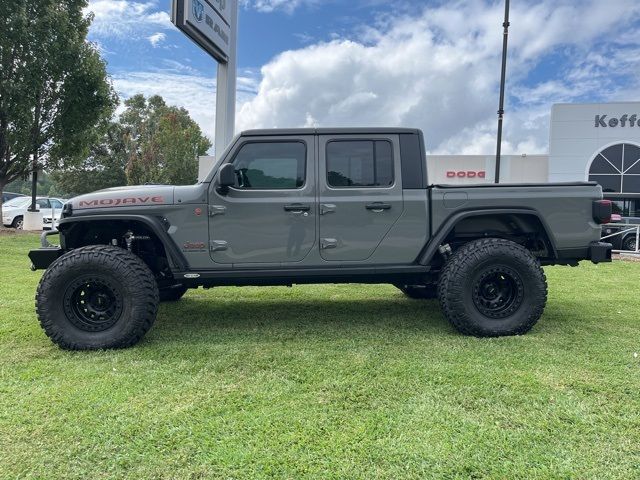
{"x":426,"y":64}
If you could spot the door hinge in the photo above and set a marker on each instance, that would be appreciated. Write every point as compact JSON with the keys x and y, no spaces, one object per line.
{"x":328,"y":243}
{"x":218,"y":246}
{"x":326,"y":208}
{"x":217,"y":210}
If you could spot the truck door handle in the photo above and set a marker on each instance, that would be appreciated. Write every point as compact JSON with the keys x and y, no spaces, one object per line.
{"x":378,"y":207}
{"x":297,"y":208}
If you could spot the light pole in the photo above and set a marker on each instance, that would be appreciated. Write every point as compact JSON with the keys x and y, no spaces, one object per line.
{"x":505,"y":42}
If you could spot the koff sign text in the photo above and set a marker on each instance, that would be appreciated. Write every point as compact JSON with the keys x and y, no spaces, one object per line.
{"x":605,"y":121}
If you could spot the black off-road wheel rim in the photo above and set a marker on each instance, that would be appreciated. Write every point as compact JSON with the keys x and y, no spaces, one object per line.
{"x":93,"y":304}
{"x":498,"y":292}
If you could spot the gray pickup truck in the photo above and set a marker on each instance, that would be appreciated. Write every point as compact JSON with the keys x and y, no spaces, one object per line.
{"x":284,"y":207}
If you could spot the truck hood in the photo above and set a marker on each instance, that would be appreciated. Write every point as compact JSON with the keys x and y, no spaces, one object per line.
{"x":144,"y":195}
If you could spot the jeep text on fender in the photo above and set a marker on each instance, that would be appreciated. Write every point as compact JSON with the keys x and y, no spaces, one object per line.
{"x":298,"y":206}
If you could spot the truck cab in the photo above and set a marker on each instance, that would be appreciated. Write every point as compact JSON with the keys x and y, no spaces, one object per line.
{"x":305,"y":198}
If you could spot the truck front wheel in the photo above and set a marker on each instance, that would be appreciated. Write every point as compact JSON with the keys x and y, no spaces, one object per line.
{"x":97,"y":297}
{"x":492,"y":287}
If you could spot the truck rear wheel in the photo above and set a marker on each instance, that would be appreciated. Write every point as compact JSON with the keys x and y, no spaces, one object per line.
{"x":492,"y":287}
{"x":97,"y":297}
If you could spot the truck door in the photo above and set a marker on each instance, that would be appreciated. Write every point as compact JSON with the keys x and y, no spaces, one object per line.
{"x":269,"y":216}
{"x":360,"y":194}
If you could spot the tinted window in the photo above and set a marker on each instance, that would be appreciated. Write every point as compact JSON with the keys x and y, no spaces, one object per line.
{"x":626,"y":207}
{"x":631,"y":183}
{"x":617,"y":169}
{"x":359,"y":164}
{"x":271,"y":166}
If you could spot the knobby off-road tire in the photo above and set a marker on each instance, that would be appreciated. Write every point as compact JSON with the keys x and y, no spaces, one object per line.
{"x":97,"y":297}
{"x":491,"y":288}
{"x":173,"y":293}
{"x":419,"y":292}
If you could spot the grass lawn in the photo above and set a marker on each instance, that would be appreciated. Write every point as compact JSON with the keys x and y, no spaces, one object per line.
{"x":327,"y":382}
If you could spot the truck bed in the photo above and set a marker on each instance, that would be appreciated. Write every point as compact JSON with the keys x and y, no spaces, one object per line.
{"x":564,"y":209}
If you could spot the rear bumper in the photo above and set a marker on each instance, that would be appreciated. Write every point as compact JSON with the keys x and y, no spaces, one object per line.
{"x":600,"y":252}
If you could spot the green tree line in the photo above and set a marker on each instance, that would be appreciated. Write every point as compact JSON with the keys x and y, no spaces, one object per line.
{"x":150,"y":142}
{"x":57,"y":107}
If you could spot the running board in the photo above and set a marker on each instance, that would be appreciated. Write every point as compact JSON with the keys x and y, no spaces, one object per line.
{"x":292,"y":276}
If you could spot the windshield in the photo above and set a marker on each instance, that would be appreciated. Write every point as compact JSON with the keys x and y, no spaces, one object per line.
{"x":17,"y":202}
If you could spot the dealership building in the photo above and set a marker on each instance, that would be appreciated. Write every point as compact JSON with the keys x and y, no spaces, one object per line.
{"x":598,"y":142}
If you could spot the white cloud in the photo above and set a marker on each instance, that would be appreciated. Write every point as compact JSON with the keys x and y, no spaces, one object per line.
{"x":126,"y":19}
{"x":273,"y":5}
{"x":193,"y":92}
{"x":440,"y":70}
{"x":157,"y":38}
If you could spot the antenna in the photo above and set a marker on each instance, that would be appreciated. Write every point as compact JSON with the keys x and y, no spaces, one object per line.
{"x":505,"y":42}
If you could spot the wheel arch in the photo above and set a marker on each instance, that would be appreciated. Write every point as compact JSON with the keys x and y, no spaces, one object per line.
{"x":506,"y":223}
{"x":74,"y":229}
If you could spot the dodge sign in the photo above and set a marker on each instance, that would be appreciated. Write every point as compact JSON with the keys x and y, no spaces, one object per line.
{"x":207,"y":23}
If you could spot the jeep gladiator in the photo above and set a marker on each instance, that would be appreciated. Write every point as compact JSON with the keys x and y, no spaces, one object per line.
{"x":300,"y":206}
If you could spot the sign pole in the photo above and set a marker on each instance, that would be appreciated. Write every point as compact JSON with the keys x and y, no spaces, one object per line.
{"x":226,"y":90}
{"x":213,"y":25}
{"x":502,"y":87}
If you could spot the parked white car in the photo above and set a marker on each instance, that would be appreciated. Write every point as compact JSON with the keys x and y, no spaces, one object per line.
{"x":13,"y":211}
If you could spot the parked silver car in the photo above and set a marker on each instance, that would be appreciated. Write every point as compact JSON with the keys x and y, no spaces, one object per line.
{"x":13,"y":211}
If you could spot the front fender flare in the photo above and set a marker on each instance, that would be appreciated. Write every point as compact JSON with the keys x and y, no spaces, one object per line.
{"x":176,"y":259}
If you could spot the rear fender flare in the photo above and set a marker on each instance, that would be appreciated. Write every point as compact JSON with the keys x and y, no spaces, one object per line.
{"x":431,"y":248}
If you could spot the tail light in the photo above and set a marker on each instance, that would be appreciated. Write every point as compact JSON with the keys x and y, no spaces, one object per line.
{"x":602,"y":211}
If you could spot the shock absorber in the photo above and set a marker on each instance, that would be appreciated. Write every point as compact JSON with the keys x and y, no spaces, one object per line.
{"x":130,"y":238}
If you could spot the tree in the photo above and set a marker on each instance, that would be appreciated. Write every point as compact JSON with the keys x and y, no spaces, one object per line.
{"x":54,"y":90}
{"x":46,"y":186}
{"x":162,"y":142}
{"x":104,"y":167}
{"x":149,"y":143}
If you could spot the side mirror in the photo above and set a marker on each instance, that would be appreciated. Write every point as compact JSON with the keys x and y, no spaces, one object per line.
{"x":226,"y":178}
